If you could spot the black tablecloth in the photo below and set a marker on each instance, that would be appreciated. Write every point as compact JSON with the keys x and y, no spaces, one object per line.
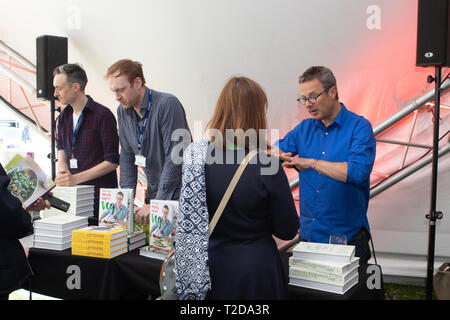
{"x":131,"y":276}
{"x":128,"y":276}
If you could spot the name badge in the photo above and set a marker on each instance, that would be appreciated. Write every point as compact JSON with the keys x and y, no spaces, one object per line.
{"x":140,"y":161}
{"x":73,"y":163}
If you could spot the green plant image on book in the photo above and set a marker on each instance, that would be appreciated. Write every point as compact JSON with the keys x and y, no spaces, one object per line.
{"x":23,"y":183}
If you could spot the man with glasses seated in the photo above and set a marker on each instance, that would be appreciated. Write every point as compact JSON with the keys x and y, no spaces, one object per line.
{"x":336,"y":151}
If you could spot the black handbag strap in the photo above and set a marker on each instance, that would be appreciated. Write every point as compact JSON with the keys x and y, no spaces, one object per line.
{"x":230,"y":190}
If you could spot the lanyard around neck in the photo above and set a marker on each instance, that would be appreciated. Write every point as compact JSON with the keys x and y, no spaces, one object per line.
{"x":75,"y":131}
{"x":140,"y":134}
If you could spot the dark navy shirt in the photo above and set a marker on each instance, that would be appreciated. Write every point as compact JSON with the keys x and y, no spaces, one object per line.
{"x":97,"y":141}
{"x":328,"y":206}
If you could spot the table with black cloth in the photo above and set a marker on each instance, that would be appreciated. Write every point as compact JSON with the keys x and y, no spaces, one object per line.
{"x":359,"y":291}
{"x":132,"y":276}
{"x":128,"y":276}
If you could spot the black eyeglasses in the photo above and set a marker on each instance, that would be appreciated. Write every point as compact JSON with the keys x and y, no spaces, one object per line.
{"x":312,"y":99}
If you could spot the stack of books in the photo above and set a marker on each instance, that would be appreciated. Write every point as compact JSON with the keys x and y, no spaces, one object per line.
{"x":55,"y":233}
{"x":100,"y":241}
{"x":326,"y":267}
{"x":81,"y":199}
{"x":136,"y":240}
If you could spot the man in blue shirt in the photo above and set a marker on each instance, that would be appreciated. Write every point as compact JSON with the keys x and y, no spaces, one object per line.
{"x":336,"y":151}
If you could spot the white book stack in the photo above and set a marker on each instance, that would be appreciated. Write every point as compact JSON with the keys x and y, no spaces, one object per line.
{"x":81,"y":199}
{"x":326,"y":267}
{"x":55,"y":233}
{"x":136,"y":240}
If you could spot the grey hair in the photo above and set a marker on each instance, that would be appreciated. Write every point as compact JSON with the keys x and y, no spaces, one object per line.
{"x":74,"y":73}
{"x":323,"y":74}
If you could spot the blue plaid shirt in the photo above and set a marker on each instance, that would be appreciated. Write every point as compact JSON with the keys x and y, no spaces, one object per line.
{"x":328,"y":206}
{"x":163,"y":175}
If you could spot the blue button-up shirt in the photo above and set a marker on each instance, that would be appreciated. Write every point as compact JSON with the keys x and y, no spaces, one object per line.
{"x":328,"y":206}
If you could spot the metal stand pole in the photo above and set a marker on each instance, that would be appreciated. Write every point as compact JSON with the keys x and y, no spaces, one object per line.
{"x":433,"y":216}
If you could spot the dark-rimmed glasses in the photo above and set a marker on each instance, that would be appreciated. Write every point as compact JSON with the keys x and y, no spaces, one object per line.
{"x":312,"y":99}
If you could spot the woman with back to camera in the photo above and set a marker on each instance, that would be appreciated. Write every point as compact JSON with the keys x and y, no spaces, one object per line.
{"x":240,"y":260}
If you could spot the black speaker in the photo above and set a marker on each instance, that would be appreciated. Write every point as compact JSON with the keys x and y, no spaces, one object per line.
{"x":433,"y":30}
{"x":51,"y":52}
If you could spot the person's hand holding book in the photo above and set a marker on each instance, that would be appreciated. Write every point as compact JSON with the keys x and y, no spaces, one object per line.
{"x":39,"y":204}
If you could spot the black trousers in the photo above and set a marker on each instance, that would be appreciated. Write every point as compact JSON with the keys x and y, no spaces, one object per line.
{"x":361,"y":243}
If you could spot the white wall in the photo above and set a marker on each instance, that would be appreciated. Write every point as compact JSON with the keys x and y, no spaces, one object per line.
{"x":191,"y":47}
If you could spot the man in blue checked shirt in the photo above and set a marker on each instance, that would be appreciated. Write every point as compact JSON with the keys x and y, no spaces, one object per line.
{"x":147,"y":121}
{"x":336,"y":151}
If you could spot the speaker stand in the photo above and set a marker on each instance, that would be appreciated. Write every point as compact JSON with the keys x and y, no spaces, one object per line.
{"x":433,"y":216}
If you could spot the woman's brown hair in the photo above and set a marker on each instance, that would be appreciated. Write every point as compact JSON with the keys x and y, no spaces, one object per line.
{"x":242,"y":104}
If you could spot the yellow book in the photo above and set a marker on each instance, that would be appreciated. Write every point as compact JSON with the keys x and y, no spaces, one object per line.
{"x":94,"y":254}
{"x":102,"y":248}
{"x":81,"y":239}
{"x":100,"y":232}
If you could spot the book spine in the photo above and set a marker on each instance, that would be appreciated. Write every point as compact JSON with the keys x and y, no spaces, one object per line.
{"x":136,"y":245}
{"x":315,"y":267}
{"x":320,"y":257}
{"x":77,"y":248}
{"x":91,"y":254}
{"x":94,"y":242}
{"x":132,"y":240}
{"x":145,"y":229}
{"x":325,"y":249}
{"x":90,"y":235}
{"x":103,"y":251}
{"x":316,"y":276}
{"x":74,"y":196}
